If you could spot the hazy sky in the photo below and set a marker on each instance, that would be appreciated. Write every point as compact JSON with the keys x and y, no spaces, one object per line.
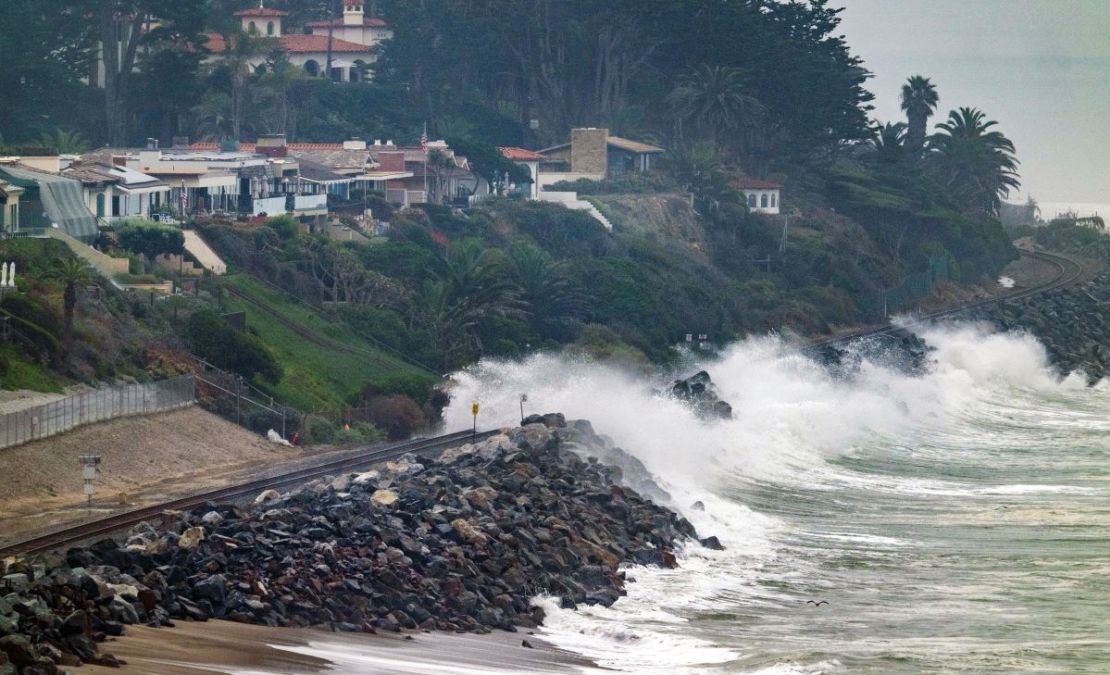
{"x":1041,"y":68}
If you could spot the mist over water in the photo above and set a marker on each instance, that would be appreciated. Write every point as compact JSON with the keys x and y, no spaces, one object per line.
{"x":953,"y":520}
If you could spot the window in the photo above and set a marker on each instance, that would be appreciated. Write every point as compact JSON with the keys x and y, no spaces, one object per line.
{"x":312,"y":68}
{"x":774,"y":199}
{"x":763,"y":200}
{"x":270,"y":28}
{"x":252,"y":29}
{"x":99,"y":204}
{"x":751,"y":200}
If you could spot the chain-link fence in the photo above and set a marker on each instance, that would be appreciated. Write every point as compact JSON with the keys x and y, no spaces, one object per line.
{"x":105,"y":403}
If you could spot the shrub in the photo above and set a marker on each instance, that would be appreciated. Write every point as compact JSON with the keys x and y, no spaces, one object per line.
{"x":285,"y":226}
{"x":398,"y":416}
{"x":212,"y":338}
{"x":150,"y":238}
{"x":321,"y":430}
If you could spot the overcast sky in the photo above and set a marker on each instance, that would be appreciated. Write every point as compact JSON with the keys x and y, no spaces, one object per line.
{"x":1041,"y":68}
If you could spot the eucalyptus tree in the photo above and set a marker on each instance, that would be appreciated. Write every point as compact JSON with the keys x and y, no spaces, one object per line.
{"x":919,"y":101}
{"x":974,"y":162}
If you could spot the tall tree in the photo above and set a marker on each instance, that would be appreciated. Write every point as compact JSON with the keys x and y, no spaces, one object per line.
{"x":71,"y":272}
{"x":973,"y":161}
{"x":889,"y":143}
{"x":715,"y":101}
{"x":919,"y":101}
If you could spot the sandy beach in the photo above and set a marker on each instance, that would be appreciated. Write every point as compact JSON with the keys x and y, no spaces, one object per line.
{"x":223,"y":647}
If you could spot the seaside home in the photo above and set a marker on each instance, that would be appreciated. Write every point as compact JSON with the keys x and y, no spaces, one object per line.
{"x":530,"y":161}
{"x":50,"y":200}
{"x":762,"y":196}
{"x":113,"y":192}
{"x":9,"y":207}
{"x":593,"y":154}
{"x":353,"y":44}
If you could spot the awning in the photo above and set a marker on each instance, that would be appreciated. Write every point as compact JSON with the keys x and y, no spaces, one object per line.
{"x":385,"y":175}
{"x":161,"y":187}
{"x":62,"y":200}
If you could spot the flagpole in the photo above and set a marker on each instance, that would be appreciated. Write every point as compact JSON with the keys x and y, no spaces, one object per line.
{"x":424,"y":146}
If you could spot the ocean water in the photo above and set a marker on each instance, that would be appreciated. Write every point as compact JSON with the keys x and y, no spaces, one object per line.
{"x":955,"y":521}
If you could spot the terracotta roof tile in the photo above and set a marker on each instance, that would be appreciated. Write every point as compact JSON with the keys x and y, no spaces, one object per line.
{"x":521,"y":155}
{"x":261,"y":11}
{"x":367,"y":22}
{"x":755,"y":184}
{"x":301,"y":44}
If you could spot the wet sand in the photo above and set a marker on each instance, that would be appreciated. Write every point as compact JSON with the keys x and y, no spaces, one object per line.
{"x":222,"y":647}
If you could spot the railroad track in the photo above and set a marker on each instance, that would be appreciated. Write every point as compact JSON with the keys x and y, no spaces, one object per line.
{"x":1068,"y":273}
{"x":351,"y":462}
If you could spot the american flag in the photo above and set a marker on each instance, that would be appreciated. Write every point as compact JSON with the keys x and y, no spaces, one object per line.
{"x":424,"y":139}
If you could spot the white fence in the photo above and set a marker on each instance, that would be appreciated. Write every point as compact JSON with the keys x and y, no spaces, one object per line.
{"x":310,"y":202}
{"x":271,"y":206}
{"x":100,"y":404}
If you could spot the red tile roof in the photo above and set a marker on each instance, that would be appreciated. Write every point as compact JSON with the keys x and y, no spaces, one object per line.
{"x":755,"y":184}
{"x":301,"y":44}
{"x":367,"y":22}
{"x":304,"y":44}
{"x":521,"y":155}
{"x":261,"y":11}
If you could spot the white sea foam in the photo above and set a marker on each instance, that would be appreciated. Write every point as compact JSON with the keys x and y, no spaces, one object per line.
{"x":791,"y":417}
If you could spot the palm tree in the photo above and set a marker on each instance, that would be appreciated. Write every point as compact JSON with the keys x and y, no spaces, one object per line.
{"x":66,"y":141}
{"x":213,"y":116}
{"x":889,"y":143}
{"x":919,"y":101}
{"x":72,"y":272}
{"x":275,"y":87}
{"x":715,"y":101}
{"x":469,"y":287}
{"x":976,"y":165}
{"x":547,"y":286}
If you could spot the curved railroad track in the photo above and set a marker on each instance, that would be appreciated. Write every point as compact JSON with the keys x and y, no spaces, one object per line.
{"x":1068,"y":273}
{"x":350,"y":462}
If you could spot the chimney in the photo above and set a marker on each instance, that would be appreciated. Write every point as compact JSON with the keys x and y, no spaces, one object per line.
{"x":589,"y":150}
{"x":272,"y":145}
{"x":152,"y":144}
{"x":377,"y":142}
{"x":391,"y":161}
{"x":389,"y":143}
{"x":354,"y":144}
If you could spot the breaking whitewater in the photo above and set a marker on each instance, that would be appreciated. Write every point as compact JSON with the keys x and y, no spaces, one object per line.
{"x":953,"y":519}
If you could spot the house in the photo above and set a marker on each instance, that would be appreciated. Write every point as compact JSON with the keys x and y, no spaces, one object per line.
{"x":232,"y":181}
{"x":593,"y":154}
{"x":529,"y":160}
{"x":762,"y":196}
{"x":9,"y":207}
{"x":112,"y":192}
{"x":354,"y":41}
{"x":50,"y":200}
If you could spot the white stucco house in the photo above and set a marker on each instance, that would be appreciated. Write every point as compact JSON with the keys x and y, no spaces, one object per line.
{"x":529,"y":160}
{"x":762,"y":196}
{"x":354,"y":41}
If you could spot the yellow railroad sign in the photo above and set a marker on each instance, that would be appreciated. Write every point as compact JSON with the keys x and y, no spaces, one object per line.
{"x":474,"y":409}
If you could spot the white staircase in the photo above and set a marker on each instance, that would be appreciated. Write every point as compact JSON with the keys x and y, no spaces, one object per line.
{"x":204,"y":253}
{"x":571,"y":201}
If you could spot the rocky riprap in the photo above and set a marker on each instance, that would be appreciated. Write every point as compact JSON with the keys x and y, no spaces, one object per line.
{"x":1073,"y":324}
{"x":699,"y":391}
{"x":459,"y":543}
{"x":896,"y":348}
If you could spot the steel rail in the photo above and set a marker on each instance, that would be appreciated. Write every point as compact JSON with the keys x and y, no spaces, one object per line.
{"x":361,"y":458}
{"x":1068,"y":273}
